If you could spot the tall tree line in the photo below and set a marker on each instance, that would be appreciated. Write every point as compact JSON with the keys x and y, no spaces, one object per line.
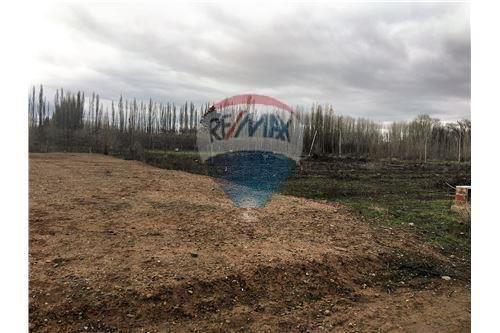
{"x":424,"y":138}
{"x":74,"y":122}
{"x":127,"y":127}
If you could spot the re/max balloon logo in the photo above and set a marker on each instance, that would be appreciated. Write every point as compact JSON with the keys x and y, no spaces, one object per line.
{"x":249,"y":125}
{"x":251,"y":143}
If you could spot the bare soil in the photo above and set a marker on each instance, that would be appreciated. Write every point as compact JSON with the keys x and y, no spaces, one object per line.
{"x":120,"y":246}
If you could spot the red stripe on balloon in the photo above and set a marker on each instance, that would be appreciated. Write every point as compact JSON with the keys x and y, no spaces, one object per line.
{"x":250,"y":99}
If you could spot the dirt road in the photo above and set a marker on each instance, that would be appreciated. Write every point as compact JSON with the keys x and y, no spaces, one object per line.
{"x":119,"y":246}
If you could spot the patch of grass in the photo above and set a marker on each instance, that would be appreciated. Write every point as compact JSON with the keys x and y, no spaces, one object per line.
{"x":398,"y":194}
{"x":181,"y":153}
{"x":188,"y":161}
{"x":432,"y":218}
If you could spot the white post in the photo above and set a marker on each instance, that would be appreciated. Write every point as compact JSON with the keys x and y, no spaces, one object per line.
{"x":312,"y":144}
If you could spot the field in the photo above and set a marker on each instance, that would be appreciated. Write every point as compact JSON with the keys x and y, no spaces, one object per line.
{"x":390,"y":192}
{"x":353,"y":246}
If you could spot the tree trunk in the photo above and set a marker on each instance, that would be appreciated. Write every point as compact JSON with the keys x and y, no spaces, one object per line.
{"x":340,"y":143}
{"x":425,"y":150}
{"x":459,"y":147}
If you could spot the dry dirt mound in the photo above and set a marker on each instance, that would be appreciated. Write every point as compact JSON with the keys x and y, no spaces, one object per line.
{"x":119,"y":246}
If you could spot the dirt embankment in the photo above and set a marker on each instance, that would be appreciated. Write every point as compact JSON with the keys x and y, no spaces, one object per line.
{"x":119,"y":246}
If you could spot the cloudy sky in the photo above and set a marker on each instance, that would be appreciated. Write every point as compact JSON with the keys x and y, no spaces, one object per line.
{"x":382,"y":61}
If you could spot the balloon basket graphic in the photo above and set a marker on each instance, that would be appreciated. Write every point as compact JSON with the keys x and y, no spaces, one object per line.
{"x":250,"y":178}
{"x":251,"y":144}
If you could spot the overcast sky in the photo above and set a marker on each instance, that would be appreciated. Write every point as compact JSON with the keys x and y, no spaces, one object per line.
{"x":382,"y":61}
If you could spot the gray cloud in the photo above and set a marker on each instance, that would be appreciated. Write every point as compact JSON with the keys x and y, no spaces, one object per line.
{"x":381,"y":61}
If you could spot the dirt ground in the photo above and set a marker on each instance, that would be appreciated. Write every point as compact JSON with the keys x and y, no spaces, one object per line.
{"x":120,"y":246}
